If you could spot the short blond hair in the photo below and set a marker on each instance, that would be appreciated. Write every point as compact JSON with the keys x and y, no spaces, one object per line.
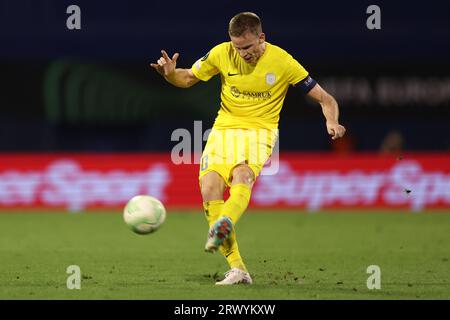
{"x":244,"y":22}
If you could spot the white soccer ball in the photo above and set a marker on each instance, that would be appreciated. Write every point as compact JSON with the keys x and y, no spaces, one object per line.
{"x":144,"y":214}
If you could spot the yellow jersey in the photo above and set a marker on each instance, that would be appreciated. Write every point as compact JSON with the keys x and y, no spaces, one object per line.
{"x":252,"y":95}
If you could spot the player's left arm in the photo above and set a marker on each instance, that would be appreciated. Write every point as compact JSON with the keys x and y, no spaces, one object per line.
{"x":298,"y":77}
{"x":330,"y":110}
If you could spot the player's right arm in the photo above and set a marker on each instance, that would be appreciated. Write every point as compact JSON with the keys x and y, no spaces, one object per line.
{"x":182,"y":78}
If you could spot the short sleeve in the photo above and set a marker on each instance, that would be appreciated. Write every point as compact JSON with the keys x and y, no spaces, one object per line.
{"x":296,"y":72}
{"x":207,"y":66}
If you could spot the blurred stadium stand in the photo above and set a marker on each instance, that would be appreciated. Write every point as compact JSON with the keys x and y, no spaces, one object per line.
{"x":92,"y":89}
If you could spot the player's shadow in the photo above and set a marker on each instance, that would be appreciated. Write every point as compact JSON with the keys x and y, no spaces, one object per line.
{"x":206,"y":278}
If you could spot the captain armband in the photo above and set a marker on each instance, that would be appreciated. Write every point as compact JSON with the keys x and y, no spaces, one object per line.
{"x":306,"y":84}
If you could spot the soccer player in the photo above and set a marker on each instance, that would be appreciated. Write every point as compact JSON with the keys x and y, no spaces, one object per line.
{"x":255,"y":77}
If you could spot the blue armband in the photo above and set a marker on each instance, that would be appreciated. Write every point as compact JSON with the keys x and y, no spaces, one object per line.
{"x":306,"y":84}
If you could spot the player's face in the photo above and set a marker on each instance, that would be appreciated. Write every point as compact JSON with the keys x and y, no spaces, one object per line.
{"x":249,"y":46}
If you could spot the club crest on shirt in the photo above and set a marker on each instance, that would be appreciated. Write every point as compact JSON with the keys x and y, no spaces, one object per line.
{"x":270,"y":78}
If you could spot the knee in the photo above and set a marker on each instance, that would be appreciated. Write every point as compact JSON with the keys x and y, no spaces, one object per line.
{"x":243,"y":174}
{"x":212,"y":190}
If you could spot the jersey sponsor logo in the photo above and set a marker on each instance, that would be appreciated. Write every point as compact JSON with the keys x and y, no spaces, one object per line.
{"x":250,"y":95}
{"x":270,"y":78}
{"x":235,"y":92}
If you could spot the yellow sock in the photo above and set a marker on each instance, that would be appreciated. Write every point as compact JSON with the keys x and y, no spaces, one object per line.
{"x":229,"y":249}
{"x":238,"y":201}
{"x":212,"y":210}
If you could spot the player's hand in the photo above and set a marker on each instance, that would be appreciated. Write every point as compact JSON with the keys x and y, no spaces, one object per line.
{"x":165,"y":65}
{"x":335,"y":130}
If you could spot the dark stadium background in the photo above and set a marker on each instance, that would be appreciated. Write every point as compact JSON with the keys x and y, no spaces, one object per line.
{"x":119,"y":39}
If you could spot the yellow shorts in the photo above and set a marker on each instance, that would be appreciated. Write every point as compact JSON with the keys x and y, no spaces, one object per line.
{"x":227,"y":148}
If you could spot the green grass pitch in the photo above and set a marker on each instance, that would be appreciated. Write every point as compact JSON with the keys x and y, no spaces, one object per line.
{"x":290,"y":256}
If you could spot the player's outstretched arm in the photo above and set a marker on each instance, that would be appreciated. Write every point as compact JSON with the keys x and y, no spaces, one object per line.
{"x":183,"y":78}
{"x":330,"y":110}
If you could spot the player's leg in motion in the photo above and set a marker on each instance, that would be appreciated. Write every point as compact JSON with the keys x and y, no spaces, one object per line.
{"x":233,"y":208}
{"x":213,"y":187}
{"x":240,"y":192}
{"x":222,"y":234}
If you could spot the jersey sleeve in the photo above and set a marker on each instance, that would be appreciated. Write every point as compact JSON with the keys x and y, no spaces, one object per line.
{"x":296,"y":72}
{"x":207,"y":66}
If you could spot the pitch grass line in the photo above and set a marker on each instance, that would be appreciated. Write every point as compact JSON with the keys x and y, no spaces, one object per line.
{"x":290,"y":256}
